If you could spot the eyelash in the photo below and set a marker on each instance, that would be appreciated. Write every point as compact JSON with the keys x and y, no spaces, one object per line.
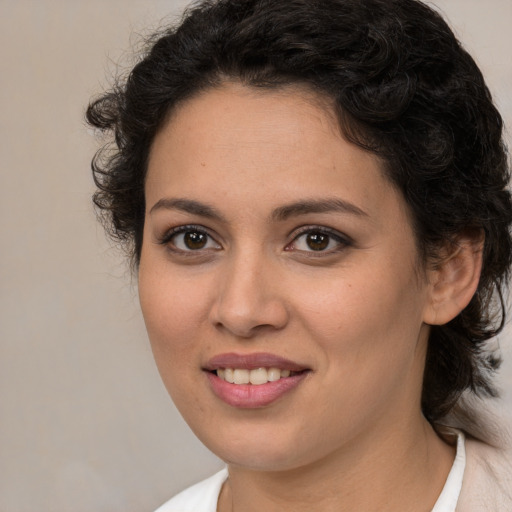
{"x":167,"y":239}
{"x":342,"y":241}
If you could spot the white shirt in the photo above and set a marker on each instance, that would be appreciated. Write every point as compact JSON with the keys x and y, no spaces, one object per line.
{"x":203,"y":497}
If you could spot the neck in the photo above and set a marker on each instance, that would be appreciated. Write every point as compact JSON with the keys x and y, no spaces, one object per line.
{"x":393,"y":469}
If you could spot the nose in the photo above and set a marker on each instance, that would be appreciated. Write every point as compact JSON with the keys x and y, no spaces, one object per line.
{"x":249,"y":298}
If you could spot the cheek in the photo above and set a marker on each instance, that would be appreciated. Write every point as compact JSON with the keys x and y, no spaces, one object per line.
{"x":359,"y":301}
{"x":172,"y":315}
{"x":174,"y":312}
{"x":366,"y":322}
{"x":368,"y":343}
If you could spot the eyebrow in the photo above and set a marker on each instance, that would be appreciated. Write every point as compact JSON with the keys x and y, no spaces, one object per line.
{"x":328,"y":205}
{"x":281,"y":213}
{"x":188,"y":206}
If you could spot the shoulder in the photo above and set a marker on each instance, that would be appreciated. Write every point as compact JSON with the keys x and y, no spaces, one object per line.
{"x":201,"y":497}
{"x":487,"y":484}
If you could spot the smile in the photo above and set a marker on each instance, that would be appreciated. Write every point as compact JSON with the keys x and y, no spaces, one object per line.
{"x":256,"y":377}
{"x":251,"y":381}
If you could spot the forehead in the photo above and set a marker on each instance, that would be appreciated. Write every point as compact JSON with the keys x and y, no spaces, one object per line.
{"x":261,"y":144}
{"x":252,"y":115}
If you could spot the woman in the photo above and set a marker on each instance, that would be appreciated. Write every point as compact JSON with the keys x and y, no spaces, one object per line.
{"x":314,"y":197}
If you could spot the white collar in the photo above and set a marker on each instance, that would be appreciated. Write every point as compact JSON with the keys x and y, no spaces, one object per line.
{"x":447,"y":501}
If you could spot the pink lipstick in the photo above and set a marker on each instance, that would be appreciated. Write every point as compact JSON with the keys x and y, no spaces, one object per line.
{"x":253,"y":380}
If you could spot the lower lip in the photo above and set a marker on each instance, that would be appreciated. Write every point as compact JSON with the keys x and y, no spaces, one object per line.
{"x":250,"y":396}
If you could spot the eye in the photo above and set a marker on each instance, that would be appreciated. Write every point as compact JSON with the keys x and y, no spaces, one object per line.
{"x":190,"y":238}
{"x":318,"y":240}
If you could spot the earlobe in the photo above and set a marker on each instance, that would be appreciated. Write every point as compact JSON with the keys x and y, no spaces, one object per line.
{"x":454,"y":279}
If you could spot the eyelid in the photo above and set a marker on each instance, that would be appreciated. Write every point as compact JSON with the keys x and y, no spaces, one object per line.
{"x":168,"y":235}
{"x":342,"y":239}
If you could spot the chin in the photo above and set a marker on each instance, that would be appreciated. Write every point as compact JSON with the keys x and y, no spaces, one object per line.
{"x":270,"y":458}
{"x":269,"y":448}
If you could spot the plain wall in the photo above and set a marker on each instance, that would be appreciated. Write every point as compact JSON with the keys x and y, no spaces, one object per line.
{"x":85,"y":423}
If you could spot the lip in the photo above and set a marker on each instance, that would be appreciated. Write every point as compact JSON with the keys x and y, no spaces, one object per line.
{"x":252,"y":361}
{"x":249,"y":396}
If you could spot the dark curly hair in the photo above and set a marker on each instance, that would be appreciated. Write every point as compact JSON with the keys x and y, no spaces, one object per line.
{"x":403,"y":88}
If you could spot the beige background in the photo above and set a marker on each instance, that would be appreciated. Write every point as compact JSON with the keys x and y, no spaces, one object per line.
{"x":85,"y":424}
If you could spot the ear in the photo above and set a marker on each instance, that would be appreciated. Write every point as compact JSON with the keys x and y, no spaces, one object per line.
{"x":454,"y":278}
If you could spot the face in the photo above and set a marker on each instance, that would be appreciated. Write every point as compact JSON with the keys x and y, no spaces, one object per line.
{"x":279,"y":280}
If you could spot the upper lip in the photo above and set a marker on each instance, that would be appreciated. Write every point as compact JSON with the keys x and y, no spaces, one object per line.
{"x":252,"y":361}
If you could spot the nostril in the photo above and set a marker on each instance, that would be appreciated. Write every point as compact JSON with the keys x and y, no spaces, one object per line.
{"x":255,"y":311}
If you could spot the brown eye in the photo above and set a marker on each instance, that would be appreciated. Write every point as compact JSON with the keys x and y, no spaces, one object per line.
{"x":188,"y":238}
{"x":317,"y":241}
{"x":195,"y":240}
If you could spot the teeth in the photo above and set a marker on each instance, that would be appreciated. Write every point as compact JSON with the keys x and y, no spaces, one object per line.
{"x":241,"y":376}
{"x":256,"y":377}
{"x":273,"y":374}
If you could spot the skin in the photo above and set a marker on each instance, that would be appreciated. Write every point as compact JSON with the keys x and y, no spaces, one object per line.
{"x":355,"y":314}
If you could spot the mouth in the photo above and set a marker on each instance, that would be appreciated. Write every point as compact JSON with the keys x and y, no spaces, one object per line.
{"x":255,"y":377}
{"x":253,"y":380}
